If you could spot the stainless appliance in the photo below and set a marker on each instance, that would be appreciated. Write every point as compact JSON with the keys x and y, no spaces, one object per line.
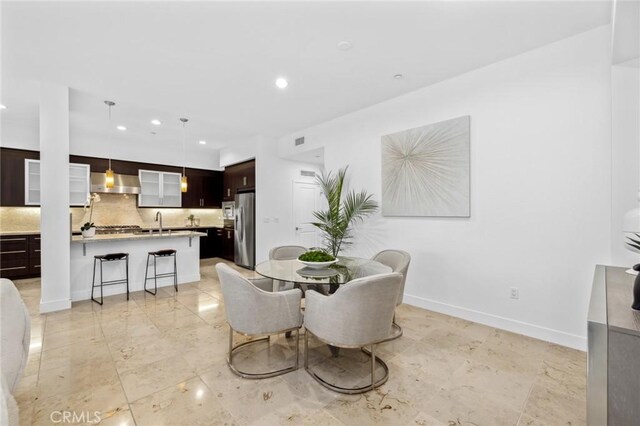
{"x":228,"y":210}
{"x":118,"y":229}
{"x":244,"y":230}
{"x":122,"y":184}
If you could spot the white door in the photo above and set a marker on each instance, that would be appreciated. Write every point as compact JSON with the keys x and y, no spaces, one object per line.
{"x":306,"y":199}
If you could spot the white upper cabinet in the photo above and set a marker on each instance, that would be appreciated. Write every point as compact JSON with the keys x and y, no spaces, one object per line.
{"x":32,"y":182}
{"x":159,"y":189}
{"x":79,"y":183}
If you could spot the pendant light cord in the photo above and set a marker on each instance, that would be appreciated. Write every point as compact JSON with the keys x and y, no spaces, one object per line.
{"x":184,"y":150}
{"x":109,"y":105}
{"x":184,"y":144}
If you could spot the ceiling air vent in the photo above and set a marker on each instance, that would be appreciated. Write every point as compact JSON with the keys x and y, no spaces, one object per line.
{"x":307,"y":173}
{"x":300,"y":141}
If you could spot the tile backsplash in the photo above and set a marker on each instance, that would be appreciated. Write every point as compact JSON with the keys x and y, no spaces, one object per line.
{"x":112,"y":209}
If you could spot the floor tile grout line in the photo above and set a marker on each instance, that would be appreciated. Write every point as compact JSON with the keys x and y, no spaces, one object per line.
{"x":391,"y":349}
{"x":213,"y":393}
{"x":117,"y":372}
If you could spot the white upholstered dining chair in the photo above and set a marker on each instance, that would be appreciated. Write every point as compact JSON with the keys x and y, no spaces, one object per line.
{"x":359,"y":314}
{"x":279,"y":253}
{"x":398,"y":261}
{"x":253,"y":312}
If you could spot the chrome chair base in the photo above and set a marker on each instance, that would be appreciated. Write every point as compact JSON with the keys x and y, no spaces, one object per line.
{"x":349,"y":391}
{"x":396,"y":332}
{"x":264,"y":375}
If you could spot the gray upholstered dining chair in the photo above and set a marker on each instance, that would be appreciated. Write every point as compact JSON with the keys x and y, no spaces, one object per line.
{"x":357,"y":315}
{"x":279,"y":253}
{"x":254,"y":312}
{"x":398,"y":261}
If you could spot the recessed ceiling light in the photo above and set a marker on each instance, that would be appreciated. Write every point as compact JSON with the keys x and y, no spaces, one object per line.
{"x":156,"y":122}
{"x":344,"y":45}
{"x":282,"y":83}
{"x":203,"y":142}
{"x":3,"y":106}
{"x":398,"y":76}
{"x":121,"y":128}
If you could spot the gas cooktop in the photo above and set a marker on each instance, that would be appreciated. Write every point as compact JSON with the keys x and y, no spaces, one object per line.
{"x":117,"y":229}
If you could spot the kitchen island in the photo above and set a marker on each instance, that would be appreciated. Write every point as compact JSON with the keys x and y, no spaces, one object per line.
{"x":138,"y":245}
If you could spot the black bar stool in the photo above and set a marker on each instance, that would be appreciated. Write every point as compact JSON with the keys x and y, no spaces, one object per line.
{"x":109,"y":258}
{"x":174,"y":274}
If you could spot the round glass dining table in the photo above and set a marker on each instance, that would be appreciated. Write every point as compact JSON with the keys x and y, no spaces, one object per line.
{"x":345,"y":270}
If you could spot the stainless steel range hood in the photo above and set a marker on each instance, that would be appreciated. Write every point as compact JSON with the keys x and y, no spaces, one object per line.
{"x":123,"y":184}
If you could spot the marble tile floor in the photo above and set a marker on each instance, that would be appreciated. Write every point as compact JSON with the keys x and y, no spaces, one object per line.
{"x":161,"y":361}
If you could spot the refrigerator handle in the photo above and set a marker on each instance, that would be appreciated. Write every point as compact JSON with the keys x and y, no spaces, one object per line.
{"x":240,"y":223}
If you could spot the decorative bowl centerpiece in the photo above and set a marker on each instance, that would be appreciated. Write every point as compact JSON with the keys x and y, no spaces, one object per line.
{"x":317,"y":259}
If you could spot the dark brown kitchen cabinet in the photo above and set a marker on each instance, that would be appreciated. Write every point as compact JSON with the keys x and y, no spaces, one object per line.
{"x":212,"y":193}
{"x":12,"y":175}
{"x":229,"y":190}
{"x":204,"y":189}
{"x":193,"y":197}
{"x":210,"y":246}
{"x":34,"y":255}
{"x":19,"y":256}
{"x":227,"y":244}
{"x":238,"y":178}
{"x":245,"y":176}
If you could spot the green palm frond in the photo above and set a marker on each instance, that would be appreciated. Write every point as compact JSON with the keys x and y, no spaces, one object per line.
{"x":635,"y":243}
{"x":335,"y":223}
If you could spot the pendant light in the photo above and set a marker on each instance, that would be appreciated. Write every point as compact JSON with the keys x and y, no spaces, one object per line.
{"x":183,"y":180}
{"x":109,"y":181}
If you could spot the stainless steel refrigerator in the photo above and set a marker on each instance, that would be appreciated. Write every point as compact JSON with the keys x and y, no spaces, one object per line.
{"x":244,"y":230}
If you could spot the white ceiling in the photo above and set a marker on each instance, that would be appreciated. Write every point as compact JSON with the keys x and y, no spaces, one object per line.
{"x":216,"y":62}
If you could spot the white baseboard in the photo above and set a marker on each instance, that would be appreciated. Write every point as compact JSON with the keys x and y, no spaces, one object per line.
{"x":560,"y":337}
{"x":77,"y":296}
{"x":54,"y":305}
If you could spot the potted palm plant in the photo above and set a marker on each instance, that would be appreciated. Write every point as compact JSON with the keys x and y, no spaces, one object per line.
{"x":336,"y":222}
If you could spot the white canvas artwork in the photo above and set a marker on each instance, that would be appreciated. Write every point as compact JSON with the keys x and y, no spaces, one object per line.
{"x":425,"y":171}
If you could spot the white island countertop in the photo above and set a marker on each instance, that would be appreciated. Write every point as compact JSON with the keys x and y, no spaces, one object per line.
{"x":133,"y":237}
{"x":139,"y":265}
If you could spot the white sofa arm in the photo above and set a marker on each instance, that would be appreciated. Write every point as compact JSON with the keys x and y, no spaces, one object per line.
{"x":15,"y":334}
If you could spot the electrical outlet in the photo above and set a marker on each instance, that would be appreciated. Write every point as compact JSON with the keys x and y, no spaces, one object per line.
{"x":276,"y":220}
{"x":267,"y":220}
{"x":514,"y":293}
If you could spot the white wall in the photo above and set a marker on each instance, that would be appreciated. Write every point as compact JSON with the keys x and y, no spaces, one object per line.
{"x":540,"y":188}
{"x":625,"y":133}
{"x":239,"y":152}
{"x":274,"y":198}
{"x":274,"y":191}
{"x":55,"y":222}
{"x":147,"y":153}
{"x":24,"y":135}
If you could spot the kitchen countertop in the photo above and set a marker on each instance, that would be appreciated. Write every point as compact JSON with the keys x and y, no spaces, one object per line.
{"x":155,"y":228}
{"x":3,"y":233}
{"x":144,"y":228}
{"x":134,"y":237}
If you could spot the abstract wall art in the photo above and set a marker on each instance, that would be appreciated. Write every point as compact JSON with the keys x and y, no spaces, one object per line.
{"x":426,"y":170}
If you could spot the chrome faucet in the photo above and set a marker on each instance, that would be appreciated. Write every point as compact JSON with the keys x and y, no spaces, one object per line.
{"x":159,"y":219}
